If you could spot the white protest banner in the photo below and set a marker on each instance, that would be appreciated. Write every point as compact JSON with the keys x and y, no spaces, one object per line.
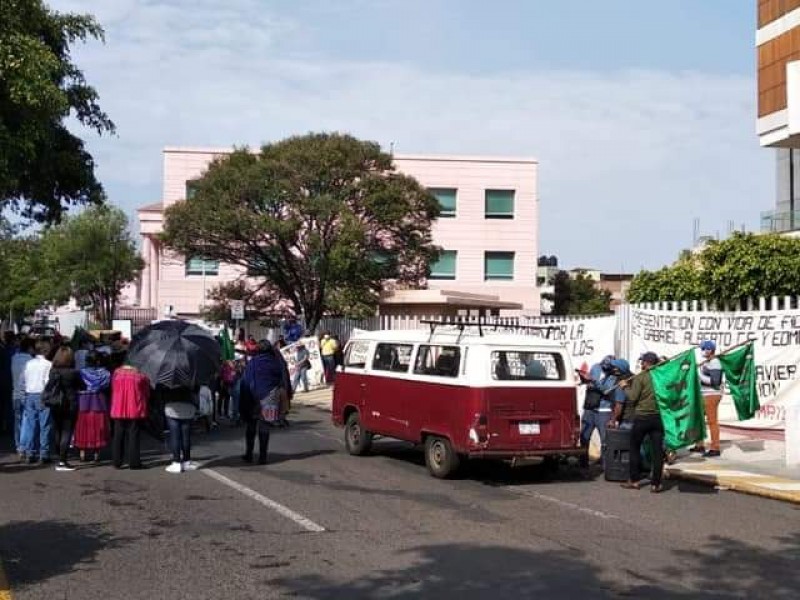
{"x":587,"y":339}
{"x":777,"y":351}
{"x":316,"y":374}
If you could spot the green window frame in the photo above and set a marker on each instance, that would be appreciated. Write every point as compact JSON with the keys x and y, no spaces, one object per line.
{"x":499,"y":204}
{"x":498,"y":266}
{"x":447,"y":198}
{"x":191,"y":188}
{"x":198,"y":265}
{"x":445,"y":267}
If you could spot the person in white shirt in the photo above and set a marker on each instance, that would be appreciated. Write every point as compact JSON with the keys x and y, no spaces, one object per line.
{"x":18,"y":362}
{"x":36,"y":418}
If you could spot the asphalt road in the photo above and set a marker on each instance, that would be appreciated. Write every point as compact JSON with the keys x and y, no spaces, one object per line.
{"x":317,"y":523}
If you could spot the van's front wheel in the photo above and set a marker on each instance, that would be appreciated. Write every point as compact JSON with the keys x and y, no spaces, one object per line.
{"x":357,"y":440}
{"x":440,"y":457}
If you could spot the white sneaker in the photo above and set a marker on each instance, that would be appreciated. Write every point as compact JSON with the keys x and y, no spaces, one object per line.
{"x":62,"y":466}
{"x":175,"y":467}
{"x":190,"y":466}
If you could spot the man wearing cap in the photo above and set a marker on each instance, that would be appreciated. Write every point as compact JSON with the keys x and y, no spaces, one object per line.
{"x":601,"y":389}
{"x":710,"y":384}
{"x":641,"y":398}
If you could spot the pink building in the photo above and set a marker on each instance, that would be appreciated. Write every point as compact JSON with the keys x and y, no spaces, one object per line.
{"x":488,"y":230}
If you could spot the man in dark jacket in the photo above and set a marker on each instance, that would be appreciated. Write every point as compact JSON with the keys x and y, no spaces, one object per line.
{"x":641,"y":398}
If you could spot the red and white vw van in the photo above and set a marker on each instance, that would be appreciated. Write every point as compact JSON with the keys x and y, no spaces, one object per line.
{"x":462,"y":394}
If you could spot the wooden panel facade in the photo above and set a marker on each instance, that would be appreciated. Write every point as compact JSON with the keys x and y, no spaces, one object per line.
{"x":772,"y":59}
{"x":770,"y":10}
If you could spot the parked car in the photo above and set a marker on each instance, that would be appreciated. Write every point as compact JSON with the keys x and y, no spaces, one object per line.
{"x":462,"y":394}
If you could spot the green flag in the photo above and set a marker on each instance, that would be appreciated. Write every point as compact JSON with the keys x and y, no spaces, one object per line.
{"x":677,"y":387}
{"x":739,"y":367}
{"x":226,"y":344}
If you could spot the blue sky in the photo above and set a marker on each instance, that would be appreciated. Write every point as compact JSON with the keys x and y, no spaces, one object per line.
{"x":641,"y":113}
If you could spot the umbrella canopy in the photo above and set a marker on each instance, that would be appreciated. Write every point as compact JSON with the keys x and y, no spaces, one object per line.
{"x":175,"y":354}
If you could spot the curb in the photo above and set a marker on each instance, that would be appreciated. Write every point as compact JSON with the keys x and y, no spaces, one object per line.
{"x":740,"y":484}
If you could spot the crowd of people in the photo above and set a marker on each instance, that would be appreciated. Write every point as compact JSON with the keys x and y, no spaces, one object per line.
{"x":73,"y":402}
{"x":616,"y":399}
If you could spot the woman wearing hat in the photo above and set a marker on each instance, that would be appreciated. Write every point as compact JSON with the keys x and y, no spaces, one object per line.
{"x":710,"y":386}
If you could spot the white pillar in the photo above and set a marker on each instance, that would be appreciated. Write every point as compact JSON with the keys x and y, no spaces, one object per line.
{"x":155,"y":268}
{"x":145,"y":299}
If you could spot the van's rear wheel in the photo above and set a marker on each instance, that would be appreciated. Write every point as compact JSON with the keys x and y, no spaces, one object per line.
{"x":357,"y":440}
{"x":440,"y":457}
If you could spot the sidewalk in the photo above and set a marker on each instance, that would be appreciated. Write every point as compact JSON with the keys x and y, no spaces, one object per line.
{"x":748,"y":465}
{"x":320,"y":398}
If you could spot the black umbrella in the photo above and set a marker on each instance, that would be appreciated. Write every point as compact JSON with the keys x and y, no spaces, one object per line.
{"x":175,"y":354}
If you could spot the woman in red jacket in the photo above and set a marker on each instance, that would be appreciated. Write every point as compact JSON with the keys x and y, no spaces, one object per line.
{"x":130,"y":393}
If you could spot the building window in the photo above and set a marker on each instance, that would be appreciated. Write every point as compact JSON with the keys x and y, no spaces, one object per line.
{"x":202,"y":266}
{"x":191,"y":188}
{"x":498,"y":266}
{"x":445,"y":267}
{"x":499,"y":204}
{"x":447,"y":201}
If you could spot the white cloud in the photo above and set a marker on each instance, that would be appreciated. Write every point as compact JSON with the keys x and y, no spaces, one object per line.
{"x":627,"y":159}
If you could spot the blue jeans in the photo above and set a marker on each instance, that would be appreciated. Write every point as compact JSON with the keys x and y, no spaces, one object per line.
{"x":35,"y":431}
{"x":300,"y":375}
{"x":594,"y":419}
{"x":180,"y":439}
{"x":329,"y":363}
{"x":18,"y":427}
{"x":235,"y":395}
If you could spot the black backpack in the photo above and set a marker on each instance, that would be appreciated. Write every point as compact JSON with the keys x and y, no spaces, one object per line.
{"x":54,"y":395}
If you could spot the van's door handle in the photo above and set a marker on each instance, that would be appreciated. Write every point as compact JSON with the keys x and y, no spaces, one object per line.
{"x":363,"y":385}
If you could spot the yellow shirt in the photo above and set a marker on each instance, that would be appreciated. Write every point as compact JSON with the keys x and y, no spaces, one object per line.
{"x":328,"y":347}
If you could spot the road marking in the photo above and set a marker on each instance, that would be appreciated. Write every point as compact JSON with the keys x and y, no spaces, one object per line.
{"x":5,"y":588}
{"x":563,"y":503}
{"x":303,"y":522}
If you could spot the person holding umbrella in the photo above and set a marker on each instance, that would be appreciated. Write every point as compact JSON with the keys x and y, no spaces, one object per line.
{"x":262,"y":387}
{"x":179,"y":358}
{"x":180,"y":411}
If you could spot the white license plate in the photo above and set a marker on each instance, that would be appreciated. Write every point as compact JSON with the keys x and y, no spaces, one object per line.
{"x":530,"y":428}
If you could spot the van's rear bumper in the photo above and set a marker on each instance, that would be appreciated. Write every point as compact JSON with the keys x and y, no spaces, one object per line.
{"x":511,"y":454}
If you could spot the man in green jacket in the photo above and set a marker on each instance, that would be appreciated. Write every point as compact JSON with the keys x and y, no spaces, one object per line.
{"x":641,"y":397}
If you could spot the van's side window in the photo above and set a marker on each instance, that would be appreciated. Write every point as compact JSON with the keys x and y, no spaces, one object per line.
{"x":514,"y":365}
{"x":356,"y":356}
{"x":392,"y":357}
{"x":442,"y":361}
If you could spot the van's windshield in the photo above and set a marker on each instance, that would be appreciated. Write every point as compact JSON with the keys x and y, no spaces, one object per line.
{"x":520,"y":365}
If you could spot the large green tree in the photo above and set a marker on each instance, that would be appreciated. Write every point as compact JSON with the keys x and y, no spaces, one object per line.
{"x":320,"y":223}
{"x":91,"y":256}
{"x":23,"y":286}
{"x":44,"y":168}
{"x":577,"y":296}
{"x":746,"y":265}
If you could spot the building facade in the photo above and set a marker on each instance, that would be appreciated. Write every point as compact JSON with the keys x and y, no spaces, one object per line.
{"x":488,"y":231}
{"x":778,"y":124}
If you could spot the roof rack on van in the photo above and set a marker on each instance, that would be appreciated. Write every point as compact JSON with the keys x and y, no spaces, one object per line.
{"x":481,"y":324}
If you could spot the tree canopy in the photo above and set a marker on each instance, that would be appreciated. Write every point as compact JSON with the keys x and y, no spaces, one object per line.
{"x":746,"y":265}
{"x":320,"y":223}
{"x":44,"y":168}
{"x":91,"y":256}
{"x":577,"y":296}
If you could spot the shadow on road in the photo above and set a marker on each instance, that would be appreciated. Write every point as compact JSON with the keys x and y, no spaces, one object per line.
{"x":273,"y":458}
{"x":724,"y":568}
{"x":34,"y":552}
